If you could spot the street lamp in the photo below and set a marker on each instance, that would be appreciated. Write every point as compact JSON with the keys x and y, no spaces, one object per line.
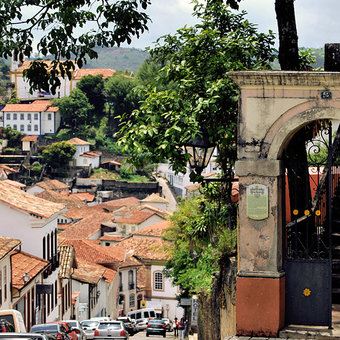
{"x":200,"y":150}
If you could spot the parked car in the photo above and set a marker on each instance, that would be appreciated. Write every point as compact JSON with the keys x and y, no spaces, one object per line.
{"x":55,"y":329}
{"x":141,"y":324}
{"x":168,"y":323}
{"x":89,"y":326}
{"x":129,"y":324}
{"x":69,"y":330}
{"x":15,"y":318}
{"x":111,"y":329}
{"x":101,"y":318}
{"x":156,"y":326}
{"x":26,"y":336}
{"x":76,"y":326}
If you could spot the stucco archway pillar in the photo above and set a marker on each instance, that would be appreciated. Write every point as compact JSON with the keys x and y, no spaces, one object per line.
{"x":260,"y":302}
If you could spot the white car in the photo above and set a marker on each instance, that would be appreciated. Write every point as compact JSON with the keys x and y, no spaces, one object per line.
{"x":89,"y":326}
{"x":78,"y":329}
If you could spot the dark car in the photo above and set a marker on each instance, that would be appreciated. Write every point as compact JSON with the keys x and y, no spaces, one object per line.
{"x":69,"y":330}
{"x":55,"y":329}
{"x":156,"y":326}
{"x":129,"y":324}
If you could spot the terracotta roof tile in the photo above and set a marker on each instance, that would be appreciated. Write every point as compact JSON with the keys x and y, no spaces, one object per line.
{"x":24,"y":201}
{"x":22,"y":263}
{"x":156,"y":229}
{"x":78,"y":141}
{"x":159,"y":211}
{"x":87,"y":226}
{"x":112,"y":162}
{"x":84,"y":196}
{"x":135,"y":217}
{"x":155,"y":198}
{"x":29,"y":138}
{"x":90,"y":154}
{"x":56,"y":197}
{"x":150,"y":248}
{"x":112,"y":238}
{"x":26,"y":64}
{"x":52,"y":184}
{"x":14,"y":183}
{"x":105,"y":72}
{"x":7,"y":245}
{"x":25,"y":107}
{"x":119,"y":203}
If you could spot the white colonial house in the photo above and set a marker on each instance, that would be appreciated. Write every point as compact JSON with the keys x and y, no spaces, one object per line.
{"x":35,"y":119}
{"x":83,"y":156}
{"x":34,"y":221}
{"x":22,"y":86}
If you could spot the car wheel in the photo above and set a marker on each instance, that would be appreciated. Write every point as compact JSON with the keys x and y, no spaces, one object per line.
{"x":147,"y":334}
{"x":164,"y":335}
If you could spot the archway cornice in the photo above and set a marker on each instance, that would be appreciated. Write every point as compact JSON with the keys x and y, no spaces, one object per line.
{"x":292,"y":120}
{"x":285,"y":78}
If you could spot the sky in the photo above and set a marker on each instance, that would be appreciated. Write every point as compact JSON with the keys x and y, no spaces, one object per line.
{"x":317,"y":20}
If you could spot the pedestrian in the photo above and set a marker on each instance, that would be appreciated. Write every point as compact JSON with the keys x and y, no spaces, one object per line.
{"x":181,"y":329}
{"x":175,"y":327}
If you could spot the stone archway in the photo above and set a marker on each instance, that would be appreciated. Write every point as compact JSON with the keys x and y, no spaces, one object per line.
{"x":273,"y":106}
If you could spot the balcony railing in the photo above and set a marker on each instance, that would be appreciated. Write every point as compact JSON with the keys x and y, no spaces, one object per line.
{"x":131,"y":286}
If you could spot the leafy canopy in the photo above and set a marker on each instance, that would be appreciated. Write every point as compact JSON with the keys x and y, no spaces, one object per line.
{"x":71,"y":29}
{"x":75,"y":109}
{"x":58,"y":154}
{"x":202,"y":99}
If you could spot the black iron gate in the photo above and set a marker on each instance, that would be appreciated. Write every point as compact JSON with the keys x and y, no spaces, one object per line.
{"x":311,"y":197}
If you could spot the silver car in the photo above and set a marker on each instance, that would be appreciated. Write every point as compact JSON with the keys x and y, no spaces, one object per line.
{"x":25,"y":336}
{"x":111,"y":330}
{"x":89,"y":326}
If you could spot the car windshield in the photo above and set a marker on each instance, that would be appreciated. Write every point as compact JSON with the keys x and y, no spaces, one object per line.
{"x":107,"y":325}
{"x":155,"y":321}
{"x":44,"y":328}
{"x":73,"y":323}
{"x":89,"y":323}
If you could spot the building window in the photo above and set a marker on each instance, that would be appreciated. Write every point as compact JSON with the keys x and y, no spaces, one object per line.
{"x":158,"y":281}
{"x":49,"y":116}
{"x":0,"y":287}
{"x":132,"y":300}
{"x":36,"y":117}
{"x":44,"y":248}
{"x":29,"y":127}
{"x":35,"y":127}
{"x":120,"y":282}
{"x":22,"y":116}
{"x":29,"y":116}
{"x":5,"y":283}
{"x":22,"y":128}
{"x":15,"y":116}
{"x":8,"y":116}
{"x":130,"y":278}
{"x":15,"y":127}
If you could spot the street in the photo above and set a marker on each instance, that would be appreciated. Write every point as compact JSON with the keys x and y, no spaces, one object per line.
{"x":142,"y":336}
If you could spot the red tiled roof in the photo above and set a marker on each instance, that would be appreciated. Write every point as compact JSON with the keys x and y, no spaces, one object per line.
{"x":78,"y":141}
{"x":88,"y":225}
{"x":22,"y":263}
{"x":26,"y":64}
{"x":155,"y":198}
{"x":112,"y":162}
{"x":120,"y":203}
{"x":14,"y":183}
{"x":56,"y":197}
{"x":7,"y":244}
{"x":29,"y":138}
{"x":150,"y":248}
{"x":105,"y":72}
{"x":52,"y":184}
{"x":156,"y":229}
{"x":112,"y":238}
{"x":24,"y":201}
{"x":25,"y":107}
{"x":90,"y":154}
{"x":84,"y":196}
{"x":135,"y":217}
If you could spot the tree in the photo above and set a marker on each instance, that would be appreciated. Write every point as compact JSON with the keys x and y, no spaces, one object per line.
{"x":93,"y":87}
{"x":75,"y":110}
{"x":13,"y":136}
{"x":58,"y":155}
{"x":204,"y":99}
{"x":111,"y":23}
{"x":121,"y":96}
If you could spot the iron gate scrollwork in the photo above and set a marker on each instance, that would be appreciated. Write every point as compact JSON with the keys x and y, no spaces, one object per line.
{"x":309,"y":205}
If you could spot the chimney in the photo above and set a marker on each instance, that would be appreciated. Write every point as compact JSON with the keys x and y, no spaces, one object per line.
{"x":332,"y":57}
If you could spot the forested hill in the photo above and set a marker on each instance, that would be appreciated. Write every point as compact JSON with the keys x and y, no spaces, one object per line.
{"x":124,"y":59}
